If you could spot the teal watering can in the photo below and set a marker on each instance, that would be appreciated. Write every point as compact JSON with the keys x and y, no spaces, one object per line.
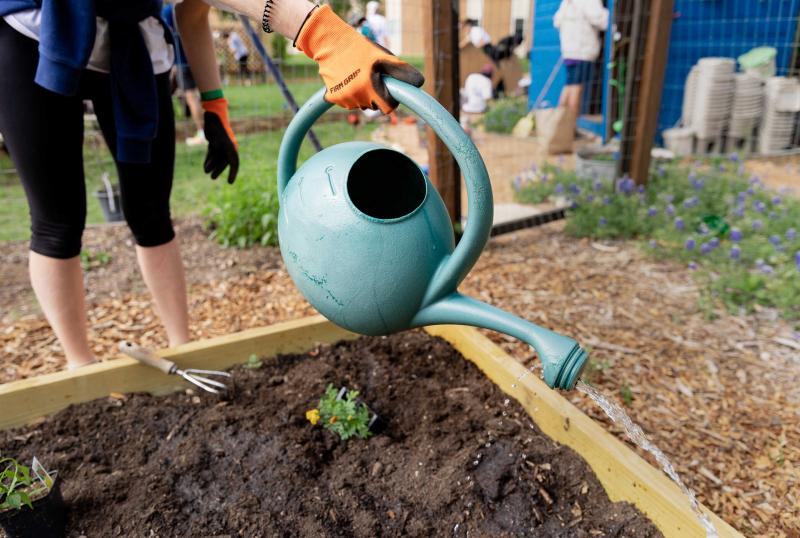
{"x":368,"y":241}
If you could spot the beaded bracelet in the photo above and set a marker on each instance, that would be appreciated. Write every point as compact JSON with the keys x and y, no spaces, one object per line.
{"x":268,"y":6}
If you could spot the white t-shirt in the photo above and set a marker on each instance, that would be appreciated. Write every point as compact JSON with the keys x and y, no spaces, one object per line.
{"x":377,"y":23}
{"x":477,"y":90}
{"x":29,"y":23}
{"x":237,"y":46}
{"x":479,"y":37}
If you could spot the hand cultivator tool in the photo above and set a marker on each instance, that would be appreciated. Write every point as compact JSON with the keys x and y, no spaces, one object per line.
{"x":201,"y":378}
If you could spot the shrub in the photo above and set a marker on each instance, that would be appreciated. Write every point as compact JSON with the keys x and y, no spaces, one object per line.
{"x":743,"y":238}
{"x":504,"y":114}
{"x":245,"y":213}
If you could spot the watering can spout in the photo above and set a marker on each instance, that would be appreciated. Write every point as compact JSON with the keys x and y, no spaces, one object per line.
{"x":562,"y":358}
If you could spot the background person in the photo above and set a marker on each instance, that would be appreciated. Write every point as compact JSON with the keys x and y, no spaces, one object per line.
{"x":476,"y":35}
{"x":377,"y":24}
{"x":240,"y":53}
{"x":477,"y":91}
{"x":41,"y":113}
{"x":183,"y":75}
{"x":579,"y":23}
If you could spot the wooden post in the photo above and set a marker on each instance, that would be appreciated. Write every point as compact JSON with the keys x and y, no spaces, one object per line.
{"x":442,"y":82}
{"x":648,"y":102}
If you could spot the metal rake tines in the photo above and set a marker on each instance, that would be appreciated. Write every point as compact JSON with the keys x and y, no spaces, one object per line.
{"x":201,"y":379}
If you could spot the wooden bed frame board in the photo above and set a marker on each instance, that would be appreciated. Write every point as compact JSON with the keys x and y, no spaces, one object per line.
{"x":624,"y":475}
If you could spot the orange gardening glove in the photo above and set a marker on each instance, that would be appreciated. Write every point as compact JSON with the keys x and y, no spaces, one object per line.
{"x":222,"y":146}
{"x":350,"y":64}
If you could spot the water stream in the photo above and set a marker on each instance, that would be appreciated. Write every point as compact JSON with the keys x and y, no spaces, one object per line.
{"x":635,"y":434}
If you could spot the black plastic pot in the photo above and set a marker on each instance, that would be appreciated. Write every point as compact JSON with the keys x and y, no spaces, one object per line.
{"x":376,"y":422}
{"x":47,"y":519}
{"x":111,"y":214}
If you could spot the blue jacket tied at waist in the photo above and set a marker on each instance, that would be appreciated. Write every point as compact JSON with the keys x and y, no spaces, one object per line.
{"x":66,"y":39}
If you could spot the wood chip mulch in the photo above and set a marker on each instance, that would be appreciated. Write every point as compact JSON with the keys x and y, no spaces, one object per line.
{"x":720,"y":396}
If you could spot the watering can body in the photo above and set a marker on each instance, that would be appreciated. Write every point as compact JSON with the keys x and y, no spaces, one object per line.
{"x":368,"y":241}
{"x":366,"y":274}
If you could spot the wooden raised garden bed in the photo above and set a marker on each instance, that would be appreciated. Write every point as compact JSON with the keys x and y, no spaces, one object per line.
{"x":624,"y":475}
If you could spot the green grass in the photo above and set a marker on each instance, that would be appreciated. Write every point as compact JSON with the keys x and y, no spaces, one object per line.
{"x":192,"y":188}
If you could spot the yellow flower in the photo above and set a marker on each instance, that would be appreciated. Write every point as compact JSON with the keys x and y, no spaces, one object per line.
{"x":313,"y":416}
{"x":333,"y":419}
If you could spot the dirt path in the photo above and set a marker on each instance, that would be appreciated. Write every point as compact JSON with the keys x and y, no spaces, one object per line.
{"x":717,"y":392}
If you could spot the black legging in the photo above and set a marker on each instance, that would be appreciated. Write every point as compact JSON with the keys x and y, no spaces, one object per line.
{"x":43,"y":132}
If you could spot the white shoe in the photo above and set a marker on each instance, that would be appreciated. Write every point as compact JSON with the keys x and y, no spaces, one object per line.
{"x":196,"y":140}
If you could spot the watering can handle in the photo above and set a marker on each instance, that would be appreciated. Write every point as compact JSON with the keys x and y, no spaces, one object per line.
{"x":479,"y":189}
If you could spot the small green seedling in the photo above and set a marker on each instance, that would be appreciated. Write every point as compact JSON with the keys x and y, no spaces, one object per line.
{"x":627,"y":394}
{"x":17,"y":487}
{"x":253,"y":362}
{"x":346,"y":417}
{"x":92,"y":260}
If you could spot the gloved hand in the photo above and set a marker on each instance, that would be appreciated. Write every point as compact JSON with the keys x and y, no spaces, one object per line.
{"x":350,"y":64}
{"x":222,"y":146}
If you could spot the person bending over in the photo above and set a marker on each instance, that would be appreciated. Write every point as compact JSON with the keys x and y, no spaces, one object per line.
{"x":54,"y":54}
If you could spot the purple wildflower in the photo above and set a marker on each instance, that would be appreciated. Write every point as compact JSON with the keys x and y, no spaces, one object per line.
{"x":544,"y":178}
{"x":652,"y":211}
{"x":734,"y":157}
{"x":626,"y":185}
{"x":791,"y":234}
{"x":590,"y":197}
{"x":736,"y":235}
{"x":777,"y":200}
{"x":606,"y":200}
{"x":692,"y":266}
{"x":755,"y":180}
{"x":741,"y":197}
{"x":559,"y":188}
{"x":705,"y":248}
{"x":574,"y":189}
{"x":690,"y":202}
{"x":640,"y":189}
{"x":767,"y":269}
{"x":670,"y":210}
{"x":735,"y":252}
{"x":690,"y":243}
{"x":598,"y":185}
{"x":757,"y":225}
{"x":698,"y":184}
{"x":775,"y":240}
{"x":760,"y":206}
{"x":602,"y":222}
{"x":652,"y":243}
{"x":751,"y":191}
{"x":714,"y":242}
{"x":692,"y":175}
{"x":739,"y":212}
{"x":797,"y":259}
{"x":679,"y":224}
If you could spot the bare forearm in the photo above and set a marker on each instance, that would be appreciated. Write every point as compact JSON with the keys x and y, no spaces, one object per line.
{"x":192,"y":18}
{"x":287,"y":15}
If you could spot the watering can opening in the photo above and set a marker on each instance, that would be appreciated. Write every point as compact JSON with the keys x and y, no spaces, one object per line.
{"x":384,"y":184}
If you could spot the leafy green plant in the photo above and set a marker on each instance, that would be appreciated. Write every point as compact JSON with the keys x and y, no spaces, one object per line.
{"x":504,"y":114}
{"x":253,"y":363}
{"x":17,"y":487}
{"x":346,"y":417}
{"x":244,"y":214}
{"x":93,"y":260}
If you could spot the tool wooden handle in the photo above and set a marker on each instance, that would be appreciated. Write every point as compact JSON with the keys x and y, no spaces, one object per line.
{"x":145,"y":356}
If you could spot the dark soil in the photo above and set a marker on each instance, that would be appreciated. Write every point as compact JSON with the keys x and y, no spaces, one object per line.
{"x":456,"y":457}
